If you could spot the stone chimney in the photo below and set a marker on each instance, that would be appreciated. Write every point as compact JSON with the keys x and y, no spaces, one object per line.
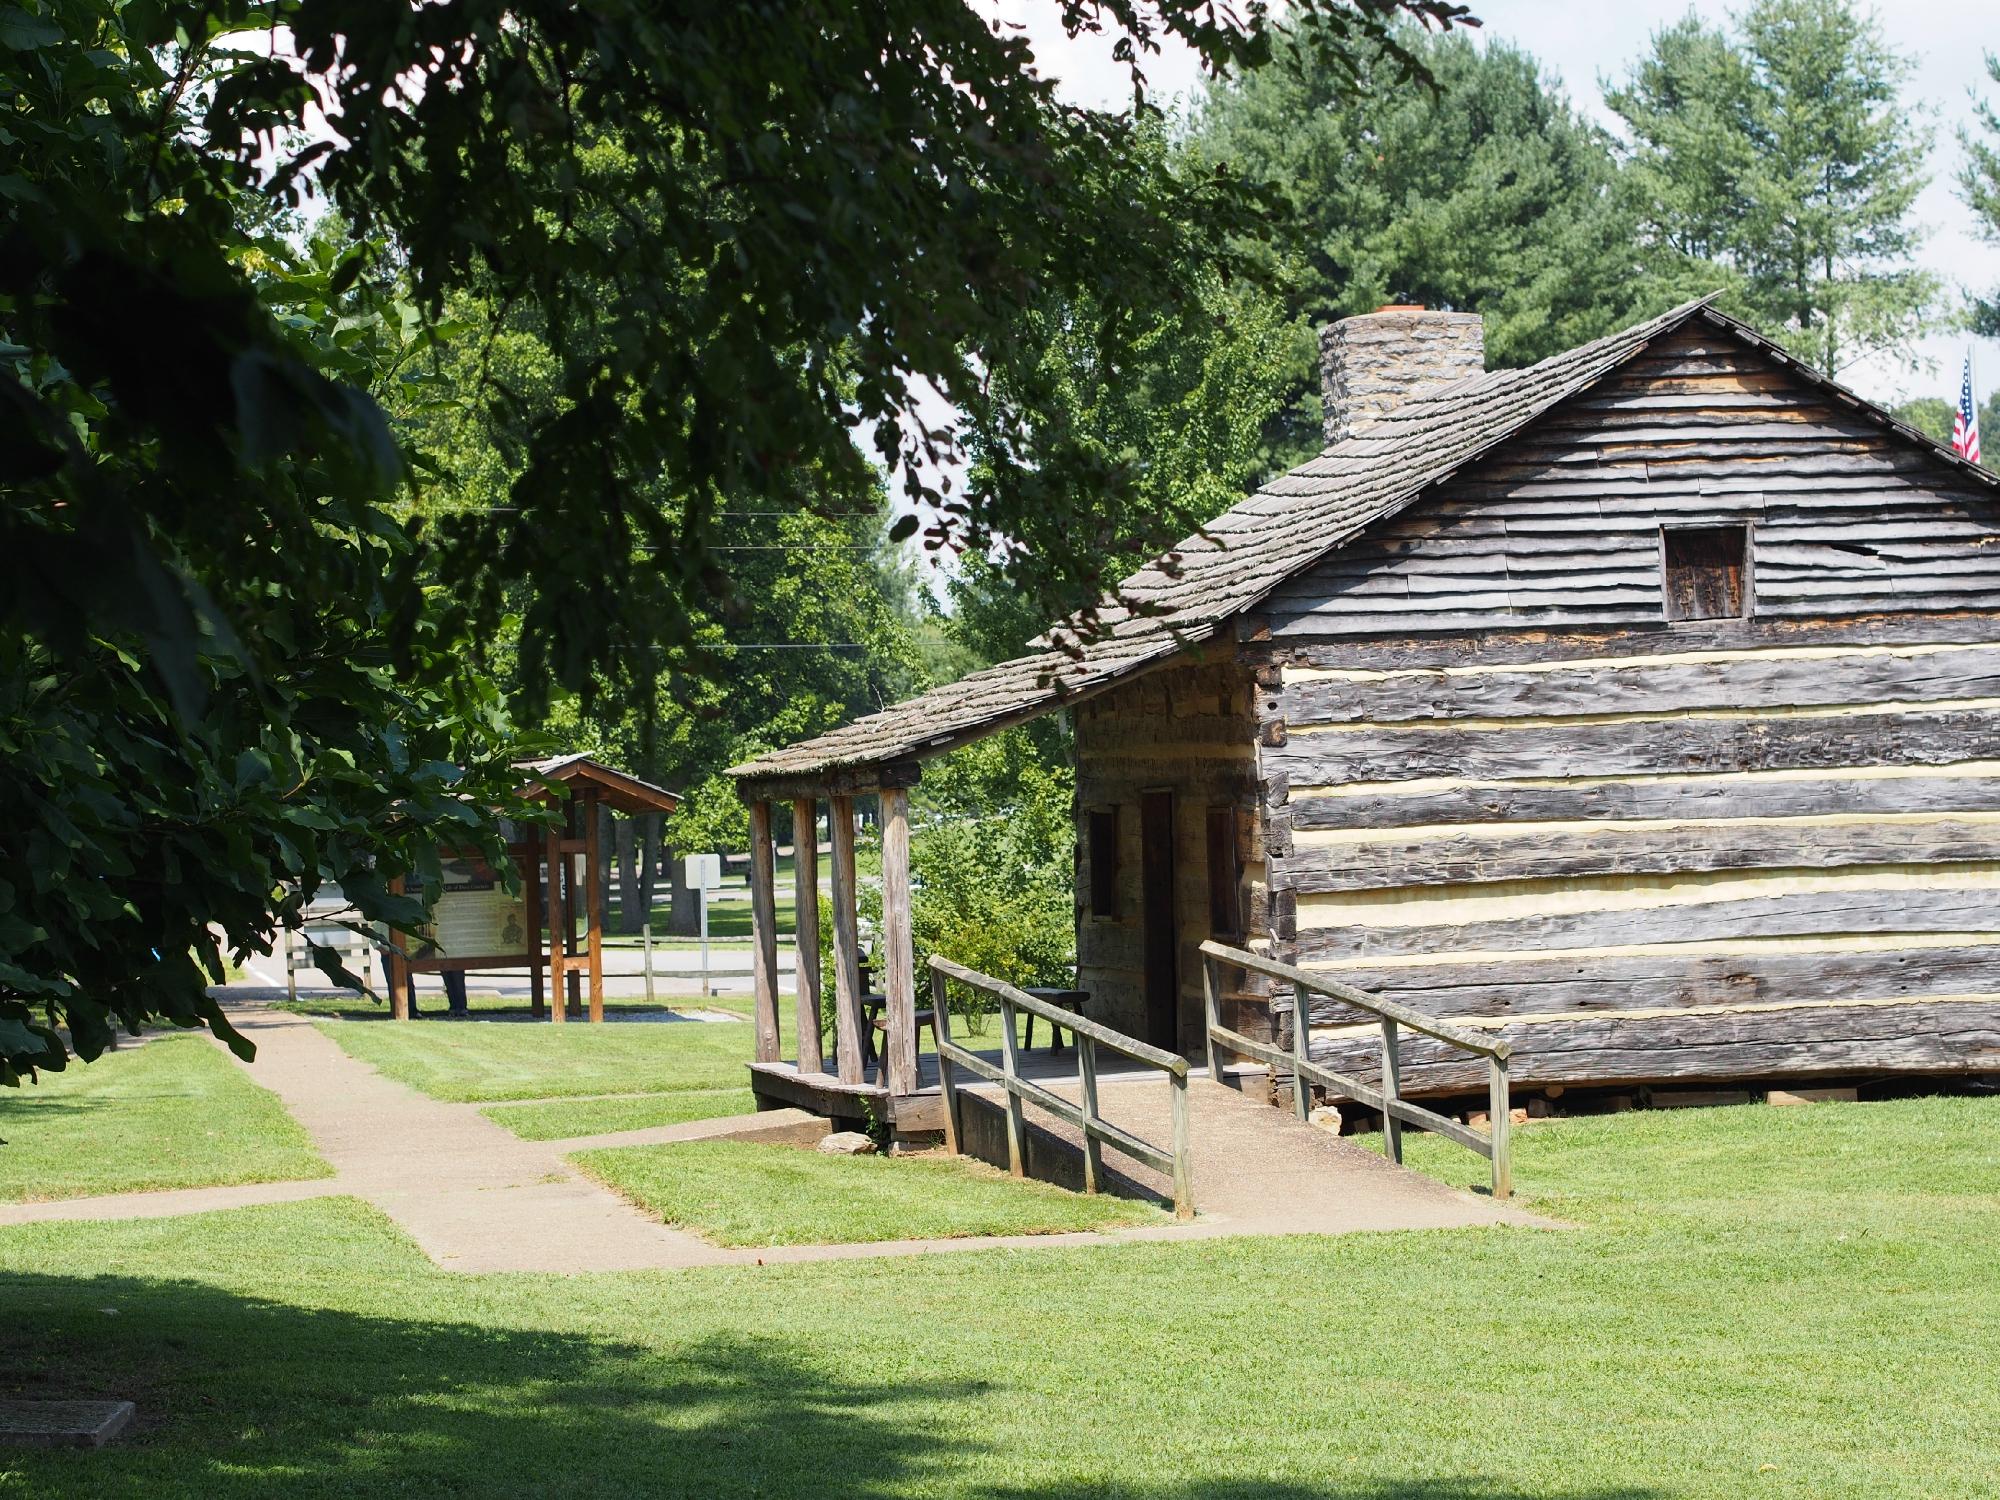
{"x":1371,"y":364}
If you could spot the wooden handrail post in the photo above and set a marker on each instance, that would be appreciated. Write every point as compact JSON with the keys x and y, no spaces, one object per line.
{"x":846,"y":943}
{"x":1010,"y":1067}
{"x":898,"y":960}
{"x":1212,"y":1009}
{"x":1086,"y":1078}
{"x":805,"y":930}
{"x":1301,"y":1050}
{"x":1183,"y":1167}
{"x":763,"y":932}
{"x":1392,"y":1090}
{"x":1499,"y":1110}
{"x":947,"y":1080}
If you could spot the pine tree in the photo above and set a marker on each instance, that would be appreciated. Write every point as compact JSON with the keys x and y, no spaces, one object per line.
{"x":1487,"y":193}
{"x":1979,"y":186}
{"x":1786,"y":156}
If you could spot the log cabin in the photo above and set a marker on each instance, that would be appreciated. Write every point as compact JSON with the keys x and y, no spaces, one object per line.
{"x":1638,"y":707}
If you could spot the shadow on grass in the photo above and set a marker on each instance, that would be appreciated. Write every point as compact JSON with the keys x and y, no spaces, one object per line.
{"x":239,"y":1396}
{"x":22,"y":1109}
{"x":242,"y":1396}
{"x":1222,"y":1487}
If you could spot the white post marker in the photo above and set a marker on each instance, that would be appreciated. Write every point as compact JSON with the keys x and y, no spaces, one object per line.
{"x":646,"y":937}
{"x":704,"y":874}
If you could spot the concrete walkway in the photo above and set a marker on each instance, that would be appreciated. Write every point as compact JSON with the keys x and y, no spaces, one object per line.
{"x":474,"y":1196}
{"x":168,"y":1204}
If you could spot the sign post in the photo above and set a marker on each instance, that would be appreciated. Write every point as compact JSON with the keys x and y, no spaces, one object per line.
{"x":704,"y":874}
{"x":646,"y":937}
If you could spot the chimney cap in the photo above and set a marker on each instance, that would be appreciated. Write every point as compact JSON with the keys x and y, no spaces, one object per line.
{"x":1402,"y":307}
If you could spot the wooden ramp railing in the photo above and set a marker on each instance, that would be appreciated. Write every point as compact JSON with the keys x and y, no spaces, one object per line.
{"x":1089,"y":1036}
{"x":1396,"y":1110}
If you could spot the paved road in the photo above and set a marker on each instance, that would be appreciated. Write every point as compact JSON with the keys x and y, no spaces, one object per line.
{"x":676,"y":973}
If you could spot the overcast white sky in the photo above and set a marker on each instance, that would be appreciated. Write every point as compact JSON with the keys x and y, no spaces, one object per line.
{"x":1583,"y":41}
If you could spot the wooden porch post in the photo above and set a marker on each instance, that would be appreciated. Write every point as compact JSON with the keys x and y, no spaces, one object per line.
{"x":805,"y":936}
{"x":898,"y":976}
{"x":846,"y":943}
{"x":395,"y":970}
{"x":572,"y":910}
{"x":763,"y":932}
{"x":593,"y":888}
{"x":531,"y":876}
{"x":558,"y":924}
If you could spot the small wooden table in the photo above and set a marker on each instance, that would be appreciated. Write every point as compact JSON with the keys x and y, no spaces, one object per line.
{"x":1074,"y":1000}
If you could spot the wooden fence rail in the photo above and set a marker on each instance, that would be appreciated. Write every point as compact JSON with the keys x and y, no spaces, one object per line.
{"x":1392,"y":1017}
{"x":1089,"y":1036}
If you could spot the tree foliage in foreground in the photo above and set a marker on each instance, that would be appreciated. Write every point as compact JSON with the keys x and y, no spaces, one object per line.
{"x":226,"y":659}
{"x":1788,"y":156}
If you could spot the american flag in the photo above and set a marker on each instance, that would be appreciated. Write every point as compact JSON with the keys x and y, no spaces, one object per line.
{"x":1965,"y":422}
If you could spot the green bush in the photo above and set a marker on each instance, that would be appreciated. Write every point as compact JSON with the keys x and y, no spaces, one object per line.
{"x":992,"y":873}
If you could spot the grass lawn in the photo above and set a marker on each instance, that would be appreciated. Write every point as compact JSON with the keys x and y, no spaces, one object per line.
{"x":560,"y":1119}
{"x":171,"y":1113}
{"x":738,"y":1193}
{"x":483,"y":1062}
{"x":1756,"y":1302}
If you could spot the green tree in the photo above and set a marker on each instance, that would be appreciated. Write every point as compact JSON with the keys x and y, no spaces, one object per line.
{"x":1979,"y":185}
{"x":992,"y":869}
{"x":745,"y":232}
{"x":1933,"y":415}
{"x":1787,"y":156}
{"x":1487,"y":193}
{"x":224,"y":685}
{"x":1175,"y":415}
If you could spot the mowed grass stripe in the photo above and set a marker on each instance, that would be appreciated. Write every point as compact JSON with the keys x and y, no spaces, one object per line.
{"x":486,"y":1062}
{"x":565,"y":1119}
{"x":173,"y":1112}
{"x":740,"y":1193}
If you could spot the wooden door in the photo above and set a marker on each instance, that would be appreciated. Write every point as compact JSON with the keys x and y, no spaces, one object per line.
{"x":1156,"y":914}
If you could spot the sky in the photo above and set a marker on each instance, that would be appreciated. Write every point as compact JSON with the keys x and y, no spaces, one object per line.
{"x":1580,"y":42}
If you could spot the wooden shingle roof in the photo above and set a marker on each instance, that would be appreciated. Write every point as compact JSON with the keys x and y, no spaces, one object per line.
{"x":1256,"y":545}
{"x":619,"y":790}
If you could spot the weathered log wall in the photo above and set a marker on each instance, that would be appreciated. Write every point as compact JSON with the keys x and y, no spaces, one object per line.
{"x":1188,"y":729}
{"x":1722,"y":849}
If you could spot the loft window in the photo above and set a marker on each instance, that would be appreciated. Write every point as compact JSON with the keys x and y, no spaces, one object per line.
{"x":1103,"y":834}
{"x":1704,"y":570}
{"x":1225,"y":915}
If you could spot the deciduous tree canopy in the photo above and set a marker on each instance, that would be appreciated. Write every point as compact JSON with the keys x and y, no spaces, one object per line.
{"x":232,"y":661}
